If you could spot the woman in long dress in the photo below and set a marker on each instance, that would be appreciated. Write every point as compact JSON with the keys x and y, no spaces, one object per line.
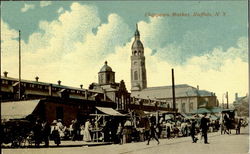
{"x":86,"y":135}
{"x":55,"y":133}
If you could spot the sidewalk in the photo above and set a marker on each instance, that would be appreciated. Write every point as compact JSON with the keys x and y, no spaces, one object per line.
{"x":63,"y":144}
{"x":135,"y":144}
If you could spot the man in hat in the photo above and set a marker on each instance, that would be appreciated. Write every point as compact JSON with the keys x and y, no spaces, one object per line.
{"x":153,"y":133}
{"x":204,"y":127}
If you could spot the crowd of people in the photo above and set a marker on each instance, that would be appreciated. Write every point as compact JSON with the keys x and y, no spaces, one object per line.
{"x":125,"y":130}
{"x":86,"y":131}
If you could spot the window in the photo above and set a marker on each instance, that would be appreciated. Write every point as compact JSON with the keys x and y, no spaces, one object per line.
{"x":101,"y":78}
{"x":191,"y":106}
{"x":59,"y":113}
{"x":135,"y":75}
{"x":183,"y":107}
{"x":108,"y":78}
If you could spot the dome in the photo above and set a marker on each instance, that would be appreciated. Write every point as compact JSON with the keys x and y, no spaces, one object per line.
{"x":106,"y":68}
{"x":137,"y":44}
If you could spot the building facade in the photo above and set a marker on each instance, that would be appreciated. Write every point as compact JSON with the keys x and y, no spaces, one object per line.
{"x":188,"y":98}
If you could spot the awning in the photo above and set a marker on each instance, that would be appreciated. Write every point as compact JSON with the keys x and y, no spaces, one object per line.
{"x":18,"y":109}
{"x":201,"y":111}
{"x":139,"y":113}
{"x":109,"y":111}
{"x":216,"y":110}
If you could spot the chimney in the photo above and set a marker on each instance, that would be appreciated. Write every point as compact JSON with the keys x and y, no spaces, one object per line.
{"x":198,"y":87}
{"x":37,"y":78}
{"x":5,"y":73}
{"x":236,"y":96}
{"x":59,"y":82}
{"x":50,"y":89}
{"x":81,"y":86}
{"x":86,"y":94}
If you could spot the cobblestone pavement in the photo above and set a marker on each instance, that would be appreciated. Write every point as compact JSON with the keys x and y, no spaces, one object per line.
{"x":219,"y":144}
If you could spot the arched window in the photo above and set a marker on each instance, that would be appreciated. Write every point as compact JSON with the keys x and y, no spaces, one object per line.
{"x":135,"y":75}
{"x":135,"y":52}
{"x":139,"y":52}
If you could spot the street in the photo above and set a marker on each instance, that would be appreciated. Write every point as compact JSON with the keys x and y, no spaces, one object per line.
{"x":219,"y":144}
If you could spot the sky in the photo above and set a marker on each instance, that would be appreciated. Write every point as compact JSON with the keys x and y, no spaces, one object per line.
{"x":70,"y":41}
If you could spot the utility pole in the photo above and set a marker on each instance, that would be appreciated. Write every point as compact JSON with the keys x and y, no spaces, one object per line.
{"x":223,"y":95}
{"x":19,"y":88}
{"x":227,"y":100}
{"x":1,"y":95}
{"x":173,"y":92}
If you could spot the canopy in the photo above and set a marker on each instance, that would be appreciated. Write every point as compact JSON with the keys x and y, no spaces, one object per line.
{"x":201,"y":111}
{"x":109,"y":111}
{"x":139,"y":113}
{"x":18,"y":109}
{"x":216,"y":110}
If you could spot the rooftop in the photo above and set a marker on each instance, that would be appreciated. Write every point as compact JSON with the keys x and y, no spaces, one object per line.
{"x":161,"y":92}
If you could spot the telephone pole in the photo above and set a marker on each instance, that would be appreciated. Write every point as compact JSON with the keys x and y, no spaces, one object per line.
{"x":19,"y":88}
{"x":227,"y":100}
{"x":173,"y":92}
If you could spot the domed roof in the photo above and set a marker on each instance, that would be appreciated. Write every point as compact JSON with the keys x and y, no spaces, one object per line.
{"x":106,"y":68}
{"x":137,"y":44}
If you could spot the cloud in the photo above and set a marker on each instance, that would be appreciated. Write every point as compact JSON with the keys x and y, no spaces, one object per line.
{"x":68,"y":43}
{"x":45,"y":3}
{"x":73,"y":48}
{"x":60,"y":10}
{"x":27,"y":7}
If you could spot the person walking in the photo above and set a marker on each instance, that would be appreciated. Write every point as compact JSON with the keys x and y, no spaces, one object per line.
{"x":153,"y":133}
{"x":192,"y":131}
{"x":204,"y":127}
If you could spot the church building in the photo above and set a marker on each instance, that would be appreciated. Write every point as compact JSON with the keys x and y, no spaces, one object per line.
{"x":188,"y":98}
{"x":116,"y":92}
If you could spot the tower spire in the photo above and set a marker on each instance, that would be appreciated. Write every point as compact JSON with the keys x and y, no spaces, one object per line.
{"x":137,"y":33}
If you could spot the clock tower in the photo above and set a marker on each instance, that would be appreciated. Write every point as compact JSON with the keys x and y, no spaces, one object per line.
{"x":138,"y":69}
